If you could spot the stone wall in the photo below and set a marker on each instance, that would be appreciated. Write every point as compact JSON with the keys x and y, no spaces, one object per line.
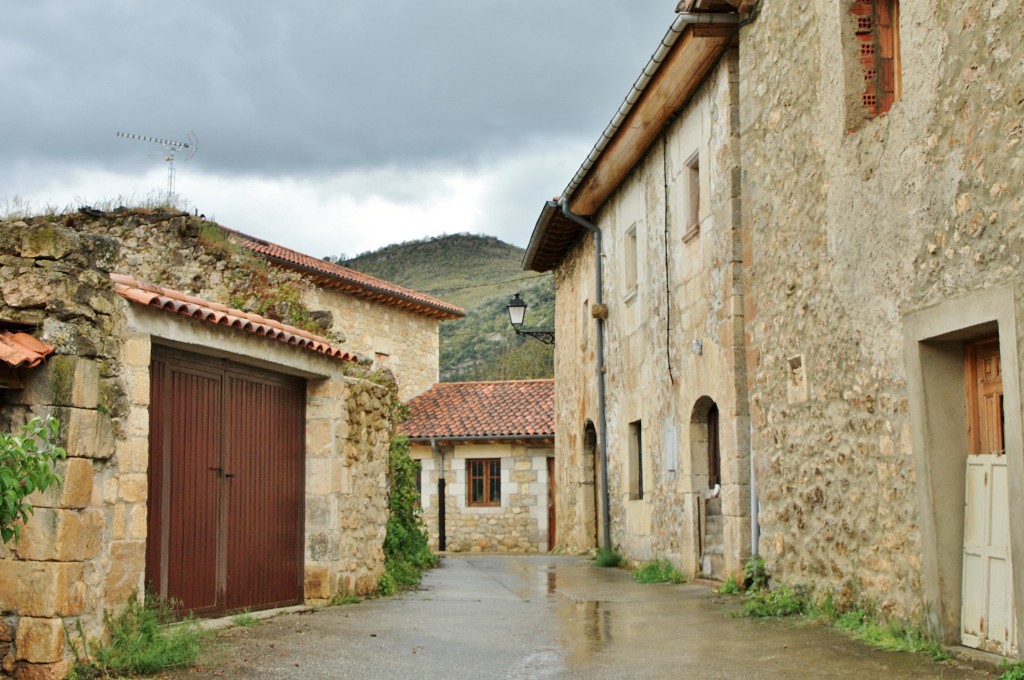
{"x":687,"y":289}
{"x":848,"y":233}
{"x":194,"y":256}
{"x":83,"y":551}
{"x":85,"y":536}
{"x":519,"y":525}
{"x":401,"y":341}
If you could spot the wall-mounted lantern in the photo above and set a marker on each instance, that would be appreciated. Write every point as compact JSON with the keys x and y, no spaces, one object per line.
{"x":517,"y":314}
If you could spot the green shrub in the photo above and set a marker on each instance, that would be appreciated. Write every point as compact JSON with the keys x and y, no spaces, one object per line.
{"x":755,"y":575}
{"x":608,"y":557}
{"x":782,"y":601}
{"x":143,"y":640}
{"x":406,"y":549}
{"x":27,"y":464}
{"x":657,"y":571}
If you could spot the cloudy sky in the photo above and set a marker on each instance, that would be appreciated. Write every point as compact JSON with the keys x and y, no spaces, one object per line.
{"x":329,"y":126}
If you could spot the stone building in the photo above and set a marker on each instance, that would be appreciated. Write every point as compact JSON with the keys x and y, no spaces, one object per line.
{"x":859,"y":242}
{"x":649,"y":359}
{"x":487,"y":450}
{"x":190,"y":425}
{"x":882,"y":207}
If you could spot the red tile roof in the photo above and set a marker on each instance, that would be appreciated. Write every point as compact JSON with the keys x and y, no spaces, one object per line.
{"x":330,"y":275}
{"x":483,"y":410}
{"x":175,"y":302}
{"x":21,"y":349}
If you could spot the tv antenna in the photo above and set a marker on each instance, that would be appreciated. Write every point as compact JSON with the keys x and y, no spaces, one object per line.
{"x":170,"y":148}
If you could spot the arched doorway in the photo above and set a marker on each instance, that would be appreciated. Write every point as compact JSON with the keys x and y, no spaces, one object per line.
{"x":706,"y":462}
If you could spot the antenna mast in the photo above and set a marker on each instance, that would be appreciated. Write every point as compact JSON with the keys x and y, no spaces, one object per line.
{"x":170,"y":147}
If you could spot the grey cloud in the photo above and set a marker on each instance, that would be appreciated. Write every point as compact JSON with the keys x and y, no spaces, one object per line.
{"x":310,"y":87}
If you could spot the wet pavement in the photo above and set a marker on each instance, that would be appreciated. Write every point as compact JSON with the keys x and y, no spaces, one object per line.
{"x":549,"y":617}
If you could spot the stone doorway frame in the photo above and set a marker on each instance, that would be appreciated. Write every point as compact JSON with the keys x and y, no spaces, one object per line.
{"x":934,"y":356}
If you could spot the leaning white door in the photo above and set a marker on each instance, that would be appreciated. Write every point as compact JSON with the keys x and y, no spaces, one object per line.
{"x":987,"y":615}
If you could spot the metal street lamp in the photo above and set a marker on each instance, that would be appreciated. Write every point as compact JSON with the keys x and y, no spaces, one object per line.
{"x":517,"y":314}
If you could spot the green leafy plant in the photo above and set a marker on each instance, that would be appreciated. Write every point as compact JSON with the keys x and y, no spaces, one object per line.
{"x":608,"y":557}
{"x":755,"y":575}
{"x":731,"y":586}
{"x":658,"y":571}
{"x":783,"y":601}
{"x":27,"y":464}
{"x":1012,"y":671}
{"x":406,"y":551}
{"x":143,"y":640}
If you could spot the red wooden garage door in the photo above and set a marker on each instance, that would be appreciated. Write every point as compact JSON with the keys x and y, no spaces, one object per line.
{"x":226,"y":484}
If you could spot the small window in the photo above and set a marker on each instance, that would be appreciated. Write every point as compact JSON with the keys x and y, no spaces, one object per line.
{"x":693,"y":190}
{"x":629,"y":263}
{"x":636,"y":462}
{"x":483,"y":484}
{"x":878,"y":39}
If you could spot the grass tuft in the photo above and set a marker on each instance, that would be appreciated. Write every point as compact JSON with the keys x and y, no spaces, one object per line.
{"x":245,"y":620}
{"x":143,"y":640}
{"x":1012,"y":671}
{"x":607,"y":557}
{"x":658,"y":571}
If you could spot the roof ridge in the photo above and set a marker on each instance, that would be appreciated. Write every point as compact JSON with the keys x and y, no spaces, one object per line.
{"x":346,"y":274}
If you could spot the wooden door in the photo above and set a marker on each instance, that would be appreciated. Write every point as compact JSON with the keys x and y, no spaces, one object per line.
{"x":226,"y":485}
{"x":987,"y":611}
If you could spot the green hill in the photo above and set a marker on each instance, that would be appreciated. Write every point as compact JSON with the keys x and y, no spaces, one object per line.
{"x":479,"y":274}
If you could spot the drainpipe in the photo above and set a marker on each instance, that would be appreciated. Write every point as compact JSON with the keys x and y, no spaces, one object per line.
{"x":755,"y":526}
{"x":602,"y":414}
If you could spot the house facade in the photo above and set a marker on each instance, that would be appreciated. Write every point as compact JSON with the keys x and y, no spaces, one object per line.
{"x":486,"y":451}
{"x":664,"y":333}
{"x":190,"y":425}
{"x":869,"y":391}
{"x":883,"y":245}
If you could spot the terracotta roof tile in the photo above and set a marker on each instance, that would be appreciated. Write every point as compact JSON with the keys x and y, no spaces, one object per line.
{"x":176,"y":302}
{"x":21,"y":349}
{"x":332,"y":275}
{"x":483,"y":410}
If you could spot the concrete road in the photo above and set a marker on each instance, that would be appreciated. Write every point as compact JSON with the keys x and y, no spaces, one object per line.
{"x":549,"y":617}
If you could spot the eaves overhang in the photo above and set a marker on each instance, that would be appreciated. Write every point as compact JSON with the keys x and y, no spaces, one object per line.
{"x":686,"y":55}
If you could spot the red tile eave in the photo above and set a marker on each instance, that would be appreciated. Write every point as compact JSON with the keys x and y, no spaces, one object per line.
{"x":335,"y":276}
{"x":19,"y":349}
{"x":483,"y":411}
{"x":175,"y":302}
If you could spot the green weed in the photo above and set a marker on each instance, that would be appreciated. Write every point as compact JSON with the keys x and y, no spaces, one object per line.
{"x":143,"y":640}
{"x":341,"y":599}
{"x":731,"y":586}
{"x":755,"y":575}
{"x":245,"y":620}
{"x":782,"y":601}
{"x":1012,"y":671}
{"x":607,"y":557}
{"x":657,"y":571}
